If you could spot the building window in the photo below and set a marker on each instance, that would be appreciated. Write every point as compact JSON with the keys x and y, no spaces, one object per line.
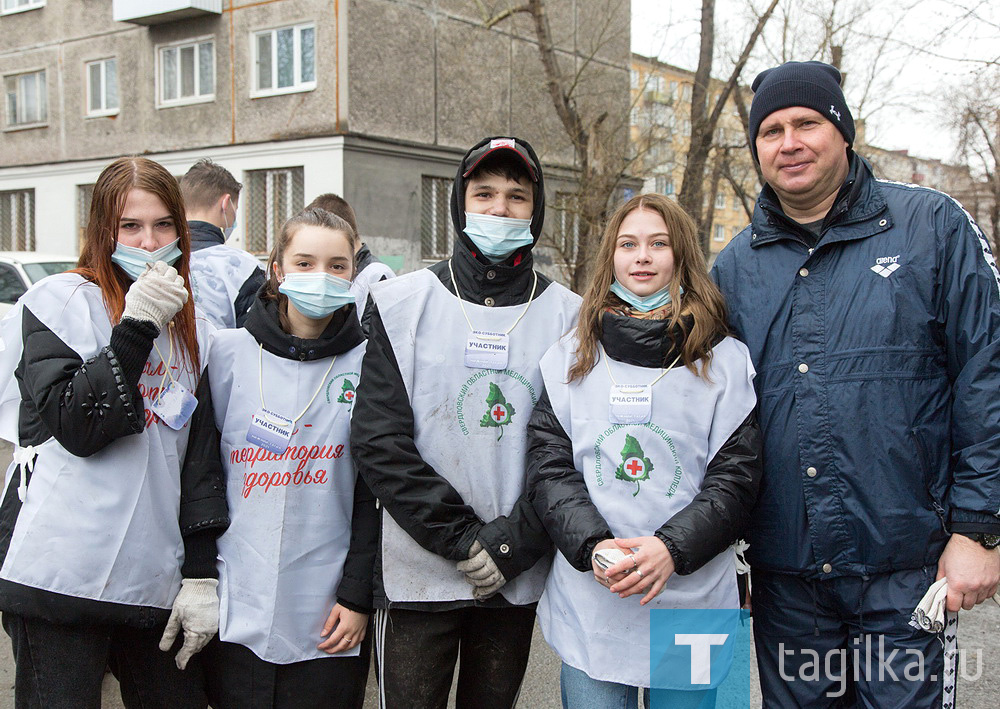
{"x":565,"y":226}
{"x":436,"y":239}
{"x":102,"y":87}
{"x":84,"y":196}
{"x":737,"y":204}
{"x":17,"y":220}
{"x":27,"y":99}
{"x":285,"y":60}
{"x":720,"y":232}
{"x":11,"y":6}
{"x":635,"y":78}
{"x":665,"y":184}
{"x":187,"y":73}
{"x":720,"y":200}
{"x":273,"y":197}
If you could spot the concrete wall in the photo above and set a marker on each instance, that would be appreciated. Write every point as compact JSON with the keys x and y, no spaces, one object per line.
{"x":442,"y":78}
{"x":62,"y":36}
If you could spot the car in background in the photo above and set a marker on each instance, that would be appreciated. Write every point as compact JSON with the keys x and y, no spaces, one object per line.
{"x":20,"y":269}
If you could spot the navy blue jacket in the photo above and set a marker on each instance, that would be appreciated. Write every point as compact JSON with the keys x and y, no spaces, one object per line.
{"x":878,"y":378}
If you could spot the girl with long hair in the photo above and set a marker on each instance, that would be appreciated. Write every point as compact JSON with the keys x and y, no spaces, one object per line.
{"x":295,"y":566}
{"x":643,"y":458}
{"x":114,"y":498}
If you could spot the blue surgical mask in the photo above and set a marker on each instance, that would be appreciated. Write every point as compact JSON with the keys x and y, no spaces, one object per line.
{"x":645,"y":304}
{"x":497,"y":237}
{"x":133,"y":260}
{"x":316,"y":295}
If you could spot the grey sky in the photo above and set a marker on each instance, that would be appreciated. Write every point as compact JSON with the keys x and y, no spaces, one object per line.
{"x":903,"y":106}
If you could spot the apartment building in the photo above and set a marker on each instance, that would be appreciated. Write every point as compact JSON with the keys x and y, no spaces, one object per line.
{"x":372,"y":99}
{"x":661,"y":134}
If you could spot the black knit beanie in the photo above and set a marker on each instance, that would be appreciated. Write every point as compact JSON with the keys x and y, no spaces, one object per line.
{"x":814,"y":85}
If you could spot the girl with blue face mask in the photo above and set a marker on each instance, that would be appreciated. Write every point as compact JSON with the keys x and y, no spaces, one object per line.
{"x":644,"y":456}
{"x":296,"y":562}
{"x":118,"y":499}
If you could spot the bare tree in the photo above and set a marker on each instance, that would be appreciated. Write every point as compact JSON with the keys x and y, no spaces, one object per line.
{"x":974,"y":113}
{"x":705,"y":120}
{"x":598,"y":133}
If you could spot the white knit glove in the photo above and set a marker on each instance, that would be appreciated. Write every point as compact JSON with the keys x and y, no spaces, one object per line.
{"x":156,"y":295}
{"x":929,"y":613}
{"x":481,"y":571}
{"x":196,"y":610}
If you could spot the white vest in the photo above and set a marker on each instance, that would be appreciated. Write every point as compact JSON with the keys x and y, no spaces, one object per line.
{"x":104,"y":527}
{"x":217,"y":274}
{"x":282,"y":558}
{"x":639,"y":476}
{"x":452,"y":405}
{"x":362,"y":283}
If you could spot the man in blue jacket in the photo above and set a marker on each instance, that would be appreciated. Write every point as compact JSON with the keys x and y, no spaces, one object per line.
{"x":872,"y":313}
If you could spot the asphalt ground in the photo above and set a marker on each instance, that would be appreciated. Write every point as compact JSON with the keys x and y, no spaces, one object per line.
{"x":979,"y":641}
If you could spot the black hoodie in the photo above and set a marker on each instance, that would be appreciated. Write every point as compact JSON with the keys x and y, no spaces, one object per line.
{"x":422,"y":501}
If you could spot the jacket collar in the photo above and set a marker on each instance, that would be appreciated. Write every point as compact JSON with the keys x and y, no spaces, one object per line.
{"x":643,"y":343}
{"x":342,"y":334}
{"x":364,"y":258}
{"x":853,"y":215}
{"x":507,"y":283}
{"x":204,"y":235}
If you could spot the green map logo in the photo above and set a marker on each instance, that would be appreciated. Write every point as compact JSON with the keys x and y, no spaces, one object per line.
{"x":635,"y":466}
{"x":498,"y":411}
{"x":347,"y":394}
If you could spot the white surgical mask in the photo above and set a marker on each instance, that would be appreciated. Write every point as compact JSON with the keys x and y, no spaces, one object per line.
{"x":133,"y":260}
{"x":497,"y":237}
{"x":316,"y":295}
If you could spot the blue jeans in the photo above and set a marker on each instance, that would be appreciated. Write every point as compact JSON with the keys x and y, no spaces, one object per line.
{"x":580,"y":691}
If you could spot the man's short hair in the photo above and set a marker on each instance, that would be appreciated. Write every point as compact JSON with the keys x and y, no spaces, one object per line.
{"x":205,"y":183}
{"x":335,"y":204}
{"x":502,"y":163}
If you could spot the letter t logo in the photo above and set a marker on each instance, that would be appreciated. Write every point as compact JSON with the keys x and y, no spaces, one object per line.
{"x":701,"y":653}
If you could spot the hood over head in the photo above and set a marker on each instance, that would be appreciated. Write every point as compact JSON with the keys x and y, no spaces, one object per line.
{"x":488,"y":146}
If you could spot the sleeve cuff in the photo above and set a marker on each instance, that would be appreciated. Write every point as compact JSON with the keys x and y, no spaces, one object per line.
{"x":200,"y":551}
{"x":971,"y":521}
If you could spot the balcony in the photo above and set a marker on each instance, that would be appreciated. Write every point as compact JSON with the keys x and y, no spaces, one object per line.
{"x":155,"y":12}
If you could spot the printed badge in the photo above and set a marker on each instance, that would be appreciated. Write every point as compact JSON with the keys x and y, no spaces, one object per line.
{"x":270,"y":431}
{"x":487,"y":350}
{"x":174,"y":405}
{"x":630,"y":403}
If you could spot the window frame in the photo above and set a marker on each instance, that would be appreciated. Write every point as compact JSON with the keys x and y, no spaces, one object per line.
{"x":430,"y":188}
{"x":43,"y":95}
{"x":102,"y":112}
{"x":196,"y":43}
{"x":27,"y":194}
{"x":32,"y":5}
{"x":298,"y":86}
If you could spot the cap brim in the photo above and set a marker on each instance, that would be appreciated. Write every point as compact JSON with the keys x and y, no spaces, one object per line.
{"x":477,"y":157}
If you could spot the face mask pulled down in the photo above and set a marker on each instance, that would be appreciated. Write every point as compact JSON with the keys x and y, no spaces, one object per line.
{"x":643,"y":304}
{"x":316,"y":295}
{"x":133,"y":260}
{"x":497,"y":237}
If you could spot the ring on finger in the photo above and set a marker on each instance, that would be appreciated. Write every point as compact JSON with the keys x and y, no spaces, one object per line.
{"x":638,"y":572}
{"x":635,"y":564}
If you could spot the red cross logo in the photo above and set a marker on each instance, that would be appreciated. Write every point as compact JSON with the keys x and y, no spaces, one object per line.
{"x":634,"y":468}
{"x":499,"y":412}
{"x":349,"y":395}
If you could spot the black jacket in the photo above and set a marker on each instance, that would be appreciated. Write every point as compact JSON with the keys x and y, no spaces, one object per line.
{"x":342,"y":334}
{"x":419,"y":499}
{"x":60,"y":393}
{"x":713,"y":520}
{"x":204,"y":235}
